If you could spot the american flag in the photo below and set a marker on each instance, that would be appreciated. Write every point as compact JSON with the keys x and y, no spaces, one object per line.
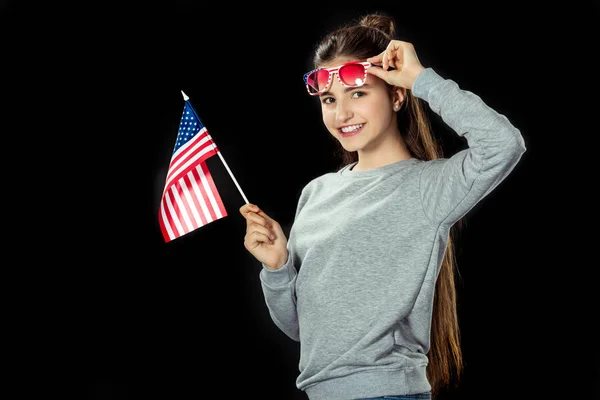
{"x":190,"y":198}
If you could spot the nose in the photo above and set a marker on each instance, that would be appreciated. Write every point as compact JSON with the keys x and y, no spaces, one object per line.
{"x":343,"y":112}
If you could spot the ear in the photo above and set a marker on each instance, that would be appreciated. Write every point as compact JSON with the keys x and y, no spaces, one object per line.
{"x":398,"y":94}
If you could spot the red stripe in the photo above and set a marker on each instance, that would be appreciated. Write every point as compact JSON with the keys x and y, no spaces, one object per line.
{"x":163,"y":228}
{"x":171,"y":177}
{"x":189,"y":152}
{"x":197,"y":138}
{"x":195,"y":202}
{"x":201,"y":169}
{"x":169,"y":216}
{"x":186,"y":204}
{"x":176,"y":214}
{"x":196,"y":172}
{"x":213,"y":188}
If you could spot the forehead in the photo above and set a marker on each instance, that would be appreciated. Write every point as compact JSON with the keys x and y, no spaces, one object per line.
{"x":337,"y":62}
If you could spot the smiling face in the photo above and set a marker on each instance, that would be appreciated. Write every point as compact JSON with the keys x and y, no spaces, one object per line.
{"x":361,"y":118}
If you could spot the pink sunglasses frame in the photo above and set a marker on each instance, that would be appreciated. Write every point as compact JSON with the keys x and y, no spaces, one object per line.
{"x":334,"y":70}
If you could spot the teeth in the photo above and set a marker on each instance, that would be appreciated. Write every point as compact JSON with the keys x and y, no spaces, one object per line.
{"x":351,"y":128}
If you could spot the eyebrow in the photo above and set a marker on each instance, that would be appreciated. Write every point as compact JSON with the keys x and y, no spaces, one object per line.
{"x":348,"y":89}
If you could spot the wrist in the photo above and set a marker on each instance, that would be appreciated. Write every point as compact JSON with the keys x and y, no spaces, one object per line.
{"x":277,"y":265}
{"x":415,"y":74}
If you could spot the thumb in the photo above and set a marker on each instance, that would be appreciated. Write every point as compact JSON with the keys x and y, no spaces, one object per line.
{"x":376,"y":59}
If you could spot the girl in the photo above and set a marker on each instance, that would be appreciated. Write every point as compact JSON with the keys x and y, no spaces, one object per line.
{"x":365,"y":281}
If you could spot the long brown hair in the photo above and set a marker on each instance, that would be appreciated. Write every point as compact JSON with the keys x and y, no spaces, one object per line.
{"x":368,"y":37}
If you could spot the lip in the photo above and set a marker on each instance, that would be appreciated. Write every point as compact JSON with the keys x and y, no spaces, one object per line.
{"x":353,"y":133}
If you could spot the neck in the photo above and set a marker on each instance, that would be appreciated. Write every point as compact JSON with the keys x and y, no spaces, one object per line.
{"x":390,"y":150}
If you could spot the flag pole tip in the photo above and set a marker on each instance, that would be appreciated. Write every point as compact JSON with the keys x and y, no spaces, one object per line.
{"x":184,"y":96}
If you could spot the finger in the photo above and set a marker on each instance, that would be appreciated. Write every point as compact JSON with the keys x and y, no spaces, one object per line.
{"x":270,"y":221}
{"x":248,"y":207}
{"x":386,"y":56}
{"x":399,"y":55}
{"x":254,"y":218}
{"x":394,"y":54}
{"x":244,"y":209}
{"x":261,"y":229}
{"x":384,"y":61}
{"x":391,"y":58}
{"x":376,"y":59}
{"x":377,"y":71}
{"x":255,"y":239}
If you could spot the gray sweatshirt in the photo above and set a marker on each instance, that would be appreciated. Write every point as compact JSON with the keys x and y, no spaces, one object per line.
{"x":366,"y":247}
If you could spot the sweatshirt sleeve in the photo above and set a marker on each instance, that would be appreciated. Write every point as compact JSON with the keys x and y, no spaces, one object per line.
{"x":450,"y":187}
{"x":280,"y":296}
{"x":279,"y":286}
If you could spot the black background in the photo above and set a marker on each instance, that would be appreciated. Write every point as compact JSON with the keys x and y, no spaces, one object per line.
{"x":112,"y":312}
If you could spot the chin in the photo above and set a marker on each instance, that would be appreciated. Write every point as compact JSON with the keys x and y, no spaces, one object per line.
{"x":351,"y":148}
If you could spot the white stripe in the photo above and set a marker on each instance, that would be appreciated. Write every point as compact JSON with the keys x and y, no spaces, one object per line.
{"x":211,"y":196}
{"x":173,"y":214}
{"x":166,"y":221}
{"x":190,"y":200}
{"x":181,"y":203}
{"x":190,"y":162}
{"x":194,"y":143}
{"x":201,"y":199}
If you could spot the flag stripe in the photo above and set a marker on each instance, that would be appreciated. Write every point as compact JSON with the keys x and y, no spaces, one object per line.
{"x":173,"y":208}
{"x":202,"y":138}
{"x":191,"y":164}
{"x":185,"y":161}
{"x":201,"y":196}
{"x":218,"y":206}
{"x":199,"y":143}
{"x":165,"y":226}
{"x":183,"y":207}
{"x":193,"y":200}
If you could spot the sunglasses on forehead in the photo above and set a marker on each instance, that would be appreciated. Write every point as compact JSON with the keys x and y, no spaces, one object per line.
{"x":351,"y":74}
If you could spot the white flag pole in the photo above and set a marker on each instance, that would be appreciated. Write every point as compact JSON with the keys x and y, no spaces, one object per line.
{"x":186,"y":98}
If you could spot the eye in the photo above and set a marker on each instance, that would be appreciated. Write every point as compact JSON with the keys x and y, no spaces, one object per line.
{"x":357,"y":94}
{"x":327,"y":100}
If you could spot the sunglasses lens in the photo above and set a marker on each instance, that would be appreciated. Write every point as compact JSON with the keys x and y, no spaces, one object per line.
{"x":352,"y":74}
{"x":317,"y":81}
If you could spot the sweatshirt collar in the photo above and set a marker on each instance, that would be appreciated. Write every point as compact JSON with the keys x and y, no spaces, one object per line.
{"x":347,"y":171}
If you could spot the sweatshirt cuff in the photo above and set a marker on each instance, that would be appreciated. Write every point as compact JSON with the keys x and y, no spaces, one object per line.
{"x":278,"y":277}
{"x":424,"y":82}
